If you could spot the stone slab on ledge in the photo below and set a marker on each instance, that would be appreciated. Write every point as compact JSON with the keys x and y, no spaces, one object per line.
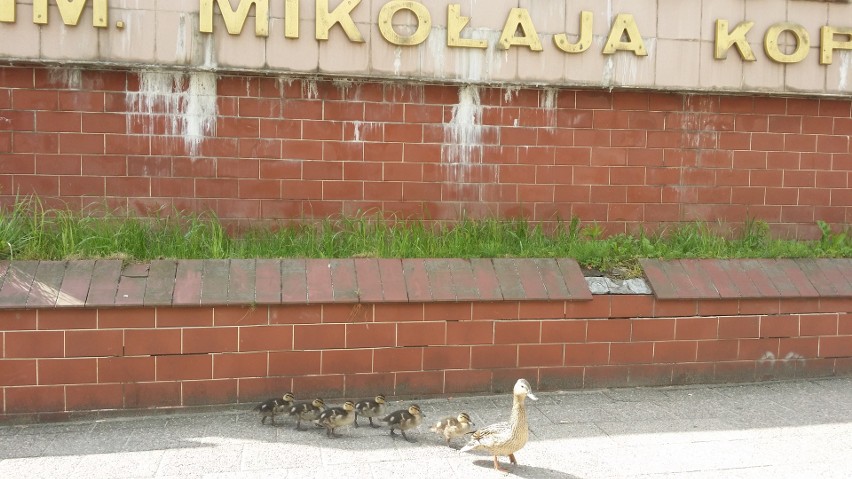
{"x":111,"y":283}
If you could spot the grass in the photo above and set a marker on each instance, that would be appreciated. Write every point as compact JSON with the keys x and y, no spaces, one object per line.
{"x":29,"y":231}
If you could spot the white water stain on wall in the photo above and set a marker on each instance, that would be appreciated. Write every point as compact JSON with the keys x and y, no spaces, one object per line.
{"x":71,"y":78}
{"x":548,"y":101}
{"x":186,"y":100}
{"x":463,"y":134}
{"x":845,"y":65}
{"x":310,"y":91}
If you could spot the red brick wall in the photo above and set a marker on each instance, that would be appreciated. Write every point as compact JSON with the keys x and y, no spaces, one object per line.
{"x":281,"y":150}
{"x":60,"y":361}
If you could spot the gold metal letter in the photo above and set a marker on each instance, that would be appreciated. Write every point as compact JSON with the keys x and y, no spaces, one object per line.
{"x":829,"y":44}
{"x":455,"y":24}
{"x":71,"y":10}
{"x":773,"y":51}
{"x":519,"y":18}
{"x":585,"y":39}
{"x":235,"y":20}
{"x":342,"y":15}
{"x":7,"y":11}
{"x":625,"y":24}
{"x":725,"y":39}
{"x":424,"y":22}
{"x":291,"y":19}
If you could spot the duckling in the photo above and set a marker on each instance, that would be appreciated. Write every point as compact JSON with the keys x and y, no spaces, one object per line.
{"x":370,"y":408}
{"x":271,"y":407}
{"x":307,"y":411}
{"x":336,"y":417}
{"x":453,"y":427}
{"x":404,"y":419}
{"x":506,"y":438}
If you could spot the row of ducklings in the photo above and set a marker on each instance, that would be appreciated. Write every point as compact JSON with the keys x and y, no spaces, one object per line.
{"x":499,"y":439}
{"x":332,"y":418}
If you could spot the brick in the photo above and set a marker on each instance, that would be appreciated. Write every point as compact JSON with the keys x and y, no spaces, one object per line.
{"x":721,"y":350}
{"x":319,"y":336}
{"x":642,"y":375}
{"x":844,"y":324}
{"x":495,"y":310}
{"x":319,"y":386}
{"x":203,"y":393}
{"x":183,"y":367}
{"x":754,"y":349}
{"x":126,"y":369}
{"x":265,"y":338}
{"x":421,"y":334}
{"x":370,"y":335}
{"x":598,"y":307}
{"x":796,"y":348}
{"x":631,"y":353}
{"x":448,"y":357}
{"x":59,"y":319}
{"x":240,"y":316}
{"x":295,"y":363}
{"x":470,"y":332}
{"x":456,"y":382}
{"x":818,"y":324}
{"x":515,"y":332}
{"x":239,"y":365}
{"x":538,"y":355}
{"x":696,"y":328}
{"x":653,"y":329}
{"x":365,"y":385}
{"x":67,"y":371}
{"x":419,"y":383}
{"x":35,"y":344}
{"x":398,"y":312}
{"x":675,"y":351}
{"x":209,"y":340}
{"x":184,"y":317}
{"x":675,"y":308}
{"x":734,"y":371}
{"x":609,"y":330}
{"x":606,"y":376}
{"x":35,"y":399}
{"x":126,"y":318}
{"x":347,"y":361}
{"x":631,"y":306}
{"x":447,"y":311}
{"x":150,"y":395}
{"x":500,"y":356}
{"x":586,"y":354}
{"x":18,"y":372}
{"x":553,"y":379}
{"x":152,"y":341}
{"x":94,"y":343}
{"x":295,"y":314}
{"x":835,"y":347}
{"x":785,"y":326}
{"x":693,"y":373}
{"x":398,"y":359}
{"x":563,"y":331}
{"x":18,"y":320}
{"x":92,"y":397}
{"x":734,"y":327}
{"x":346,"y":313}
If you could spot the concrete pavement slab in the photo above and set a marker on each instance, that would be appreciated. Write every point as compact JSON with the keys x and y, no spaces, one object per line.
{"x":779,"y":429}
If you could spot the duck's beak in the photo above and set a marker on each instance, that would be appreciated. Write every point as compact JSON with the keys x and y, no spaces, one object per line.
{"x":532,"y":396}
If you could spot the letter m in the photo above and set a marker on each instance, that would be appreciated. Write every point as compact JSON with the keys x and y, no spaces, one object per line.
{"x":235,"y":19}
{"x":71,"y":11}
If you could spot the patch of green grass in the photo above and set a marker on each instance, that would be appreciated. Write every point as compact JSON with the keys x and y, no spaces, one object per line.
{"x":29,"y":231}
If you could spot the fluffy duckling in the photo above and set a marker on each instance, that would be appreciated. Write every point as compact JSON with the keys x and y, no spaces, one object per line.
{"x":453,"y":427}
{"x":404,"y":419}
{"x":307,"y":411}
{"x":506,"y":438}
{"x":370,"y":408}
{"x":336,"y":417}
{"x":271,"y":407}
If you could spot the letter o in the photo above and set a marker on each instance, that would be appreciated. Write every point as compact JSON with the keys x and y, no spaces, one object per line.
{"x":773,"y":51}
{"x":424,"y":22}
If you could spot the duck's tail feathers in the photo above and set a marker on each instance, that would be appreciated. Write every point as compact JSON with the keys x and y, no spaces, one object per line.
{"x":469,"y":446}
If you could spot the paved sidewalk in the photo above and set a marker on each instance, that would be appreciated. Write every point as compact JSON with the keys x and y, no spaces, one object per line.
{"x":770,"y":430}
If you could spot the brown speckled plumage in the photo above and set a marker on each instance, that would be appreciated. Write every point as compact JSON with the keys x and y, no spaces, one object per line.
{"x":307,"y":411}
{"x":370,"y":408}
{"x":336,"y":417}
{"x":506,"y":438}
{"x":404,"y":419}
{"x":271,"y":407}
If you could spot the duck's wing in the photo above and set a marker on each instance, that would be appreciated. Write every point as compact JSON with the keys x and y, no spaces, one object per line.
{"x":487,"y":436}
